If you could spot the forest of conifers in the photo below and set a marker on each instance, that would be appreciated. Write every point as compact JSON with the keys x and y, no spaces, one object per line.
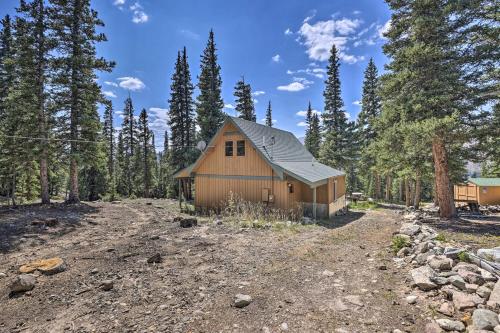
{"x":434,"y":109}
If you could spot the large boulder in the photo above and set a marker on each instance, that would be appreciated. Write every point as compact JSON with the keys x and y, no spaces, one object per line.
{"x":440,"y":263}
{"x":484,"y":319}
{"x":451,"y":325}
{"x":452,"y":252}
{"x":463,"y":301}
{"x":494,"y":300}
{"x":241,"y":300}
{"x":490,"y":254}
{"x":409,"y":229}
{"x":471,"y":277}
{"x":22,"y":283}
{"x":457,"y":281}
{"x":421,"y":277}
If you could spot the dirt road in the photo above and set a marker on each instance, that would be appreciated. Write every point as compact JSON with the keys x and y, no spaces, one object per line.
{"x":335,"y":277}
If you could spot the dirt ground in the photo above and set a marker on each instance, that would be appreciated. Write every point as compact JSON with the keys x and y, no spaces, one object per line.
{"x":333,"y":277}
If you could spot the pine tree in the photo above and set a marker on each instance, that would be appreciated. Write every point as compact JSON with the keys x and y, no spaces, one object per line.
{"x":336,"y":148}
{"x":244,"y":102}
{"x":6,"y":61}
{"x":210,"y":104}
{"x":74,"y":24}
{"x":370,"y":104}
{"x":269,"y":116}
{"x":129,"y":141}
{"x":109,"y":137}
{"x":313,"y":135}
{"x":144,"y":140}
{"x":181,"y":119}
{"x":166,"y":180}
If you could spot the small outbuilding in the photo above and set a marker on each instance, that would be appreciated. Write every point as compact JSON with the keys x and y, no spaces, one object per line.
{"x":263,"y":164}
{"x":483,"y":191}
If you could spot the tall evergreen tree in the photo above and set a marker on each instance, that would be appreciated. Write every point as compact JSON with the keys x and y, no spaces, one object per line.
{"x":209,"y":102}
{"x":129,"y":142}
{"x":109,"y":137}
{"x":370,"y":103}
{"x":336,"y":149}
{"x":145,"y":142}
{"x":74,"y":23}
{"x":244,"y":101}
{"x":313,"y":132}
{"x":269,"y":116}
{"x":6,"y":61}
{"x":181,"y":118}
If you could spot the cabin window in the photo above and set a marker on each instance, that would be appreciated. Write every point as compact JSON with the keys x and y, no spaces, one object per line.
{"x":240,"y":148}
{"x":290,"y":188}
{"x":229,"y":148}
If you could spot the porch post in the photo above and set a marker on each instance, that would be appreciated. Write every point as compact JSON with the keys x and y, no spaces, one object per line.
{"x":314,"y":203}
{"x":180,"y":195}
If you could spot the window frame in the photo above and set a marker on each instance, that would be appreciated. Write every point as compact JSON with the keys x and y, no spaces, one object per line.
{"x":231,"y":147}
{"x":238,"y":142}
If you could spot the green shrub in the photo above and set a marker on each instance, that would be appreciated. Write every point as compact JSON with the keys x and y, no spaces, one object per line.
{"x":398,"y":242}
{"x":362,"y":205}
{"x":440,"y":238}
{"x":463,"y":256}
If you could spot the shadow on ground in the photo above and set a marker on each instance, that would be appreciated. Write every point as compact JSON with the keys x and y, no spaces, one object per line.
{"x":341,"y":220}
{"x":489,"y":225}
{"x":36,"y":223}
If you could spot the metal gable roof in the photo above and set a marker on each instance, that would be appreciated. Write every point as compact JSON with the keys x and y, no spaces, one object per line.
{"x":485,"y":181}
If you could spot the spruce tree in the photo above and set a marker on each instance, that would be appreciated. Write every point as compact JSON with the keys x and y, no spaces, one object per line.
{"x":109,"y":138}
{"x":145,"y":142}
{"x":313,"y":135}
{"x":244,"y":102}
{"x":209,"y":102}
{"x":336,"y":148}
{"x":370,"y":104}
{"x":269,"y":116}
{"x":129,"y":141}
{"x":74,"y":24}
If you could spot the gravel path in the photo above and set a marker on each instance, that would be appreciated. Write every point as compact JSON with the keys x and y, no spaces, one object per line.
{"x":335,"y":277}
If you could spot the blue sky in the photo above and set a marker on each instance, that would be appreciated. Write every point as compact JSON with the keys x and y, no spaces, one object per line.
{"x":281,"y":48}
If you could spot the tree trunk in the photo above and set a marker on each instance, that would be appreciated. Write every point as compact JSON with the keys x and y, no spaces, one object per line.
{"x":378,"y":188}
{"x":401,"y":189}
{"x":388,"y":184}
{"x":73,"y":196}
{"x":14,"y":185}
{"x":443,"y":189}
{"x":44,"y":179}
{"x":407,"y":193}
{"x":418,"y":189}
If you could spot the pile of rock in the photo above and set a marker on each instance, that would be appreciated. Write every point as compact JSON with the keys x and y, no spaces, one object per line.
{"x":467,"y":297}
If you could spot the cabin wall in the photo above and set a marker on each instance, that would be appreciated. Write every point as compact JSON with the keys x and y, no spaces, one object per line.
{"x":488,"y":195}
{"x":465,"y":193}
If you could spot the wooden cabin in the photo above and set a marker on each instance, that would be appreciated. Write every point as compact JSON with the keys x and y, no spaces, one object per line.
{"x":482,"y":191}
{"x":264,"y":164}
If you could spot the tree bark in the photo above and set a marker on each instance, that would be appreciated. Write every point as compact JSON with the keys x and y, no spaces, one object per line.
{"x":388,"y":184}
{"x":418,"y":189}
{"x":443,"y":188}
{"x":74,"y":196}
{"x":407,"y":193}
{"x":378,"y":188}
{"x":401,"y":189}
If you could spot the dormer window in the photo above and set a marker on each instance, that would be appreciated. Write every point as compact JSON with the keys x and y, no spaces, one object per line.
{"x":229,"y":148}
{"x":240,"y":148}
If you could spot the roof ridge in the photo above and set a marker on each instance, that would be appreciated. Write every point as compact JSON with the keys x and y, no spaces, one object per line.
{"x":256,"y":123}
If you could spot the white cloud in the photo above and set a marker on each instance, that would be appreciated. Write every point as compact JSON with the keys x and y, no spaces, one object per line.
{"x":160,"y":113}
{"x":255,"y":101}
{"x":316,"y":72}
{"x":304,"y":113}
{"x":310,"y":17}
{"x":264,"y":120}
{"x":131,"y":83}
{"x":109,"y":94}
{"x":288,"y":32}
{"x":189,"y":34}
{"x":320,"y":36}
{"x":356,"y":12}
{"x":347,"y":115}
{"x":358,"y":103}
{"x":302,"y":124}
{"x":119,"y":2}
{"x":109,"y":83}
{"x":258,"y":93}
{"x":292,"y":87}
{"x":303,"y":80}
{"x":139,"y":15}
{"x":383,"y":29}
{"x":229,"y":106}
{"x":276,"y":58}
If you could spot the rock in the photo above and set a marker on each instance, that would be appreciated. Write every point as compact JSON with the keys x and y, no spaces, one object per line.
{"x":422,"y":247}
{"x":490,"y":254}
{"x":409,"y":229}
{"x":447,"y":309}
{"x":484,"y":292}
{"x":284,"y":326}
{"x":463,"y":301}
{"x":451,"y":325}
{"x":421,"y":258}
{"x":433,"y":328}
{"x":439,"y":280}
{"x":403,"y":252}
{"x":471,"y":288}
{"x":457,"y":281}
{"x":484,"y":319}
{"x":452,"y":252}
{"x":382,"y":267}
{"x":412,"y":299}
{"x":3,"y":275}
{"x":328,"y":273}
{"x":354,"y":299}
{"x":46,"y":266}
{"x":466,"y":267}
{"x":497,"y":329}
{"x":188,"y":222}
{"x":107,"y":285}
{"x":156,"y":258}
{"x":440,"y":263}
{"x":494,"y":300}
{"x":421,"y":278}
{"x":241,"y":300}
{"x":471,"y":277}
{"x":22,"y":283}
